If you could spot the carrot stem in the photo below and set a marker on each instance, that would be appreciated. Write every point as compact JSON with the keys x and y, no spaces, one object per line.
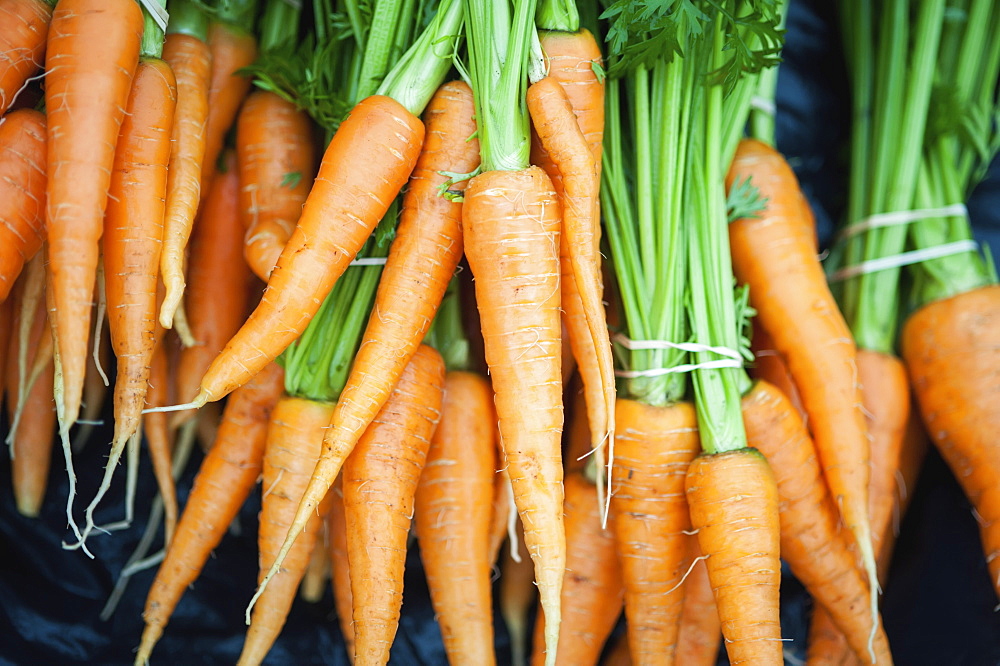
{"x":557,"y":15}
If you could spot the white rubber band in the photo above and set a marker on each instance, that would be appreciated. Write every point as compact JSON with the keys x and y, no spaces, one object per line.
{"x":904,"y":259}
{"x":763,"y":105}
{"x":369,"y":261}
{"x":158,"y":12}
{"x":901,"y":217}
{"x":639,"y":345}
{"x":686,"y":367}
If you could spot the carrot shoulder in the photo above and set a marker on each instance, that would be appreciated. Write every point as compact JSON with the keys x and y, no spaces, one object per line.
{"x":22,"y":192}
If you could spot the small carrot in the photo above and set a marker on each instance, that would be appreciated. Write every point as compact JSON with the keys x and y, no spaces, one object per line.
{"x":454,"y":508}
{"x":318,"y":569}
{"x":227,"y":474}
{"x":187,"y":52}
{"x":654,"y":449}
{"x":158,"y":435}
{"x":700,"y":634}
{"x":770,"y":366}
{"x":593,"y":591}
{"x":22,"y":192}
{"x":23,"y":33}
{"x":277,"y":163}
{"x":336,"y":525}
{"x":380,"y":480}
{"x":517,"y":596}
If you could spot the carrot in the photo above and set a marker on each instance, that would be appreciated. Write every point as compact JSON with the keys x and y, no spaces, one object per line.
{"x":276,"y":160}
{"x":22,"y":192}
{"x":23,"y":31}
{"x":318,"y":569}
{"x":593,"y":590}
{"x":186,"y":51}
{"x":770,"y":366}
{"x":91,"y":55}
{"x":336,"y":525}
{"x":454,"y":508}
{"x":216,"y":298}
{"x":294,"y":438}
{"x":734,"y":505}
{"x":699,"y":635}
{"x":380,"y":480}
{"x":232,"y":48}
{"x":559,"y":133}
{"x":133,"y":234}
{"x":503,"y":506}
{"x":655,"y":446}
{"x":6,"y":327}
{"x":517,"y":597}
{"x":771,"y":252}
{"x":159,"y":437}
{"x":818,"y":555}
{"x":225,"y":479}
{"x":619,"y":654}
{"x":952,"y":349}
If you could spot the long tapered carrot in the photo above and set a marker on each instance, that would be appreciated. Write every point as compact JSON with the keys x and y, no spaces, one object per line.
{"x":276,"y":158}
{"x":593,"y":592}
{"x":294,"y":439}
{"x":190,"y":58}
{"x":819,"y":555}
{"x":24,"y":25}
{"x":952,"y":350}
{"x":159,"y":438}
{"x":654,"y":448}
{"x":216,"y":297}
{"x":700,"y":634}
{"x":770,"y":253}
{"x":336,"y":525}
{"x":517,"y":596}
{"x":380,"y":480}
{"x":353,"y":194}
{"x":734,"y":501}
{"x":232,"y":48}
{"x":22,"y":192}
{"x":566,"y":145}
{"x":133,"y":236}
{"x":225,"y":479}
{"x":454,"y":508}
{"x":91,"y":55}
{"x":770,"y":366}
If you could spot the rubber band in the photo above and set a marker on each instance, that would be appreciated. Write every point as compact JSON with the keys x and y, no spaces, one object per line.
{"x":158,"y":12}
{"x":764,"y":105}
{"x":686,"y":367}
{"x":904,"y":259}
{"x":640,"y":345}
{"x":369,"y":261}
{"x":901,"y":217}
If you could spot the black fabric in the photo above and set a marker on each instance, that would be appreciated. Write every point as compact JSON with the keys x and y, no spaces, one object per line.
{"x":938,"y":601}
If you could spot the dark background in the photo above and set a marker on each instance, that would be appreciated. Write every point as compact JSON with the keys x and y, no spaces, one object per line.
{"x":938,"y":603}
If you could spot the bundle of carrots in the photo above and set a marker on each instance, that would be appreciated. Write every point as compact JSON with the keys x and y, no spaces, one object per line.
{"x":377,"y":254}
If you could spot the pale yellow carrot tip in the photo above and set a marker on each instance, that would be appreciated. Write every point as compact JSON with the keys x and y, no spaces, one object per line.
{"x":150,"y":635}
{"x":197,"y":403}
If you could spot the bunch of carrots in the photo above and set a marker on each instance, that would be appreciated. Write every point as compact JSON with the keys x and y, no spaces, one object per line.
{"x":525,"y":279}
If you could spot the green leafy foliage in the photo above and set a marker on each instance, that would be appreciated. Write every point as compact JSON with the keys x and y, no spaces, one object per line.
{"x":744,"y":201}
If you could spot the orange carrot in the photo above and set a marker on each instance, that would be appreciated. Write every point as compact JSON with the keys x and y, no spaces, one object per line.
{"x":770,"y":253}
{"x":215,"y":300}
{"x":593,"y":591}
{"x":277,"y":164}
{"x":318,"y":252}
{"x":294,"y":439}
{"x":952,"y":350}
{"x":227,"y":475}
{"x":191,"y":60}
{"x":133,"y":234}
{"x":22,"y":192}
{"x":6,"y":327}
{"x":454,"y":507}
{"x":700,"y":634}
{"x":91,"y":55}
{"x":503,"y":506}
{"x":232,"y":48}
{"x":819,"y":555}
{"x":772,"y":368}
{"x":517,"y":597}
{"x":158,"y":435}
{"x":380,"y":480}
{"x":586,"y":324}
{"x":733,"y":500}
{"x":318,"y":569}
{"x":619,"y":654}
{"x":336,"y":525}
{"x":23,"y":28}
{"x":654,"y":448}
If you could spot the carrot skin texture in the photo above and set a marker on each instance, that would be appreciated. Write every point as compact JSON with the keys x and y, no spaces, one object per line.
{"x":227,"y":475}
{"x":156,"y":429}
{"x":772,"y":368}
{"x":22,"y":192}
{"x":952,"y":351}
{"x":133,"y":236}
{"x":700,"y":632}
{"x":216,"y":298}
{"x":273,"y":140}
{"x":91,"y":55}
{"x":232,"y":49}
{"x":593,"y":592}
{"x":511,"y":225}
{"x":380,"y":481}
{"x":340,"y":573}
{"x":347,"y":200}
{"x":776,"y":250}
{"x":733,"y":500}
{"x":818,"y":553}
{"x":655,"y":446}
{"x":294,"y":438}
{"x":24,"y":25}
{"x":454,"y":506}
